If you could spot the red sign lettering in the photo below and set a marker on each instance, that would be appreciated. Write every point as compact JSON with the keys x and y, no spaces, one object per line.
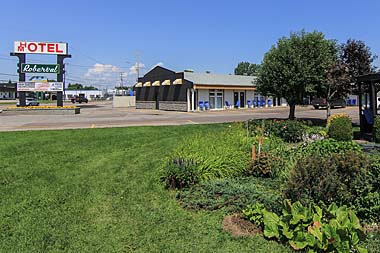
{"x":50,"y":48}
{"x":57,"y":49}
{"x":32,"y":47}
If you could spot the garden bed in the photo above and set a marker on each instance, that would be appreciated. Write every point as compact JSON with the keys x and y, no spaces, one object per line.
{"x":42,"y":110}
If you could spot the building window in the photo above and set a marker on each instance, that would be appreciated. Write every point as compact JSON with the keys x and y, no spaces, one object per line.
{"x":216,"y":99}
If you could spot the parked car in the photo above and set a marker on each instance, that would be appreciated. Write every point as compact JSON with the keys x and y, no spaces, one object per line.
{"x":79,"y":99}
{"x":30,"y":102}
{"x":322,"y":103}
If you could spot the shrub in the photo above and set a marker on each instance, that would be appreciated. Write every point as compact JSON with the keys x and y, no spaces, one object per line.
{"x":337,"y":178}
{"x":289,"y":130}
{"x":265,"y":165}
{"x":312,"y":228}
{"x":368,"y":204}
{"x":179,"y":173}
{"x":327,"y":146}
{"x":339,"y":127}
{"x":232,"y":194}
{"x":376,"y":129}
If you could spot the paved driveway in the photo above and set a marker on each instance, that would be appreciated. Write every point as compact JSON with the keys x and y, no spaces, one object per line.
{"x":101,"y":114}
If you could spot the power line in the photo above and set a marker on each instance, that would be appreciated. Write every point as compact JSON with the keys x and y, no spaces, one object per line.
{"x":87,"y":56}
{"x":6,"y":74}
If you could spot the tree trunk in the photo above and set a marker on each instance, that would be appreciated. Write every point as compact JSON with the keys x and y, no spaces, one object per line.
{"x":328,"y":109}
{"x":292,"y":112}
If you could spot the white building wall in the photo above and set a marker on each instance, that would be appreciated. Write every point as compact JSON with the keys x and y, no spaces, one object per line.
{"x":203,"y":95}
{"x":89,"y":94}
{"x":229,"y":96}
{"x":250,"y":96}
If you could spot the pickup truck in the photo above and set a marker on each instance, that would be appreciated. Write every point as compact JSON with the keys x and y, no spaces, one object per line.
{"x":322,"y":102}
{"x":79,"y":99}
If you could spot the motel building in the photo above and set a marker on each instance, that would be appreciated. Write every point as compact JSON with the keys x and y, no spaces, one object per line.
{"x":164,"y":89}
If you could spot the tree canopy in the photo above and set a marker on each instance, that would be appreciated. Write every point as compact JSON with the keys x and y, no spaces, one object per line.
{"x":78,"y":86}
{"x":358,"y":58}
{"x":296,"y":66}
{"x":247,"y":69}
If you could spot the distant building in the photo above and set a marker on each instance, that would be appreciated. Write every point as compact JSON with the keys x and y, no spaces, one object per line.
{"x":8,"y":90}
{"x":165,"y":89}
{"x":89,"y":94}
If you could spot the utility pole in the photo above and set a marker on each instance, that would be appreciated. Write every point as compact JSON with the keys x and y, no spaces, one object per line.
{"x":121,"y":79}
{"x":138,"y":64}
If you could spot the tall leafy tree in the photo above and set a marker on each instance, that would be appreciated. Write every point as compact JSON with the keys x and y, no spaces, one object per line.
{"x":296,"y":66}
{"x":358,"y":57}
{"x":247,"y":69}
{"x":338,"y":83}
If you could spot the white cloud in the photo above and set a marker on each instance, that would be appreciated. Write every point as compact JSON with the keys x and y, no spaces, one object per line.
{"x":105,"y":74}
{"x":102,"y":69}
{"x":133,"y":69}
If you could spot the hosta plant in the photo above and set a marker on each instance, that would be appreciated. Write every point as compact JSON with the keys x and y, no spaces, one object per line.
{"x":315,"y":229}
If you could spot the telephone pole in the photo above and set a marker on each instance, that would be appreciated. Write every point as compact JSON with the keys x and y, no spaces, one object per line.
{"x":138,"y":64}
{"x":121,"y":80}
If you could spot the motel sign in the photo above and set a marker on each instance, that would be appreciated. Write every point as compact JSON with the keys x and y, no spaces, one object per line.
{"x":29,"y":47}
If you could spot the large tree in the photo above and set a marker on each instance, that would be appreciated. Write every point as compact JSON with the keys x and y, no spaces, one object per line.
{"x":247,"y":69}
{"x":358,"y":58}
{"x":296,"y":66}
{"x":355,"y":58}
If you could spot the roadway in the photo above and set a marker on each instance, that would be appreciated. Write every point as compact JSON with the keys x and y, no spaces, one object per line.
{"x":101,"y":115}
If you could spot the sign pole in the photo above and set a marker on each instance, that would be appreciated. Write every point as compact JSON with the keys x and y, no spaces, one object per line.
{"x":60,"y":59}
{"x":21,"y":76}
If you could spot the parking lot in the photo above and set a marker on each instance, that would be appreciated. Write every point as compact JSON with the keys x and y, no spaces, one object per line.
{"x":101,"y":114}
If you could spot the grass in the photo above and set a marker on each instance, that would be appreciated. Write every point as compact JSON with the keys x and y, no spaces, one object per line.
{"x":97,"y":190}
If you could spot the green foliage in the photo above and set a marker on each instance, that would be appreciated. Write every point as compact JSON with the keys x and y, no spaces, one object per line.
{"x":296,"y":66}
{"x":265,"y":165}
{"x":376,"y":129}
{"x":372,"y":244}
{"x":255,"y":213}
{"x":340,"y":129}
{"x":247,"y":69}
{"x":337,"y":178}
{"x":290,"y":131}
{"x":78,"y":86}
{"x":180,"y":173}
{"x":368,"y":204}
{"x":358,"y":56}
{"x":327,"y":146}
{"x":232,"y":195}
{"x":313,"y":228}
{"x":217,"y":155}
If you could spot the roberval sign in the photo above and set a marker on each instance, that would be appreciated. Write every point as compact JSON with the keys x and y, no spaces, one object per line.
{"x":30,"y":47}
{"x":40,"y":68}
{"x":39,"y":86}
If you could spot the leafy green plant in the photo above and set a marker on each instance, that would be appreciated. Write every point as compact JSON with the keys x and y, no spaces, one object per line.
{"x":254,"y":213}
{"x":179,"y":173}
{"x":314,"y":228}
{"x":340,"y":128}
{"x":326,"y":147}
{"x":289,"y":130}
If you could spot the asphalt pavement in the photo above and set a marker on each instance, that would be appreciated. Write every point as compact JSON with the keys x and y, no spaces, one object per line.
{"x":101,"y":115}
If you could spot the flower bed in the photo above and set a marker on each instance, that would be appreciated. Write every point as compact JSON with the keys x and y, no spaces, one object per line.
{"x":43,"y":110}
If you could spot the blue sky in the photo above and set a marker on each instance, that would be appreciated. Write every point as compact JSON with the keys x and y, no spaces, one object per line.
{"x":201,"y":35}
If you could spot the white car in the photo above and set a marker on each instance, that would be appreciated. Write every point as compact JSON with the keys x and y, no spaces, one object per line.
{"x":30,"y":102}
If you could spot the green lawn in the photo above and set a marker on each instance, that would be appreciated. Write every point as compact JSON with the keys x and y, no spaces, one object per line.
{"x":96,"y":190}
